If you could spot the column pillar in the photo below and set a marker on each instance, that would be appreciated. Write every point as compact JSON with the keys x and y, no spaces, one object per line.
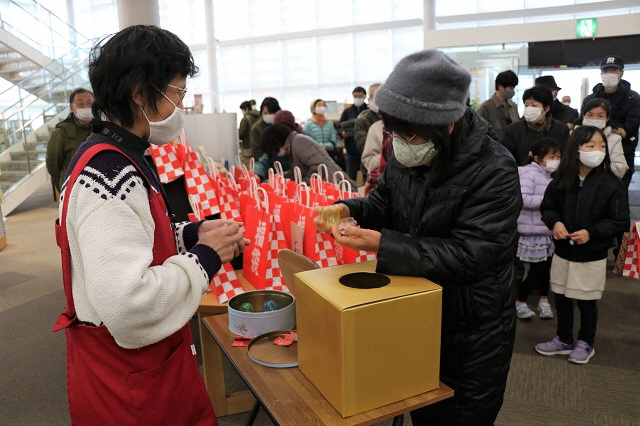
{"x":138,"y":12}
{"x":212,"y":56}
{"x":428,"y":18}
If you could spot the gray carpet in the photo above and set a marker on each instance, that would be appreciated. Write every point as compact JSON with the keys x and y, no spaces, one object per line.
{"x":541,"y":390}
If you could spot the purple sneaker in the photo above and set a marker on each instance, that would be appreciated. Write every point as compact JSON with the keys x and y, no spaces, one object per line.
{"x":582,"y":353}
{"x":554,"y":347}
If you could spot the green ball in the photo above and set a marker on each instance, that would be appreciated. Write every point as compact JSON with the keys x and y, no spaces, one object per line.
{"x":247,"y":307}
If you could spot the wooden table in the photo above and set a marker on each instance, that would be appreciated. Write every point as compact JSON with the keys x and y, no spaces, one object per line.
{"x":213,"y":371}
{"x":290,"y":399}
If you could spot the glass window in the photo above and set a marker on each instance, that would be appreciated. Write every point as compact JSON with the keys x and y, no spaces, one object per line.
{"x":298,"y":15}
{"x":373,"y":59}
{"x":335,"y":59}
{"x":185,"y":19}
{"x":300,"y":62}
{"x":266,"y":66}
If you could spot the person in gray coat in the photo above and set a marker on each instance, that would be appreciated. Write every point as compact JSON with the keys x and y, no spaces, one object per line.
{"x":302,"y":151}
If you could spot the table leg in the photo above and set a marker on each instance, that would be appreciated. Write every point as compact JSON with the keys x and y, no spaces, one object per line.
{"x":213,"y":371}
{"x":253,"y":414}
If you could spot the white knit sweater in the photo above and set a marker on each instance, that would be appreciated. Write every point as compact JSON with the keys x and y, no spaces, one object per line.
{"x":111,"y":236}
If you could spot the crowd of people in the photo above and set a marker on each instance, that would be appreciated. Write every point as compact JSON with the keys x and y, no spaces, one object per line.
{"x":464,"y":198}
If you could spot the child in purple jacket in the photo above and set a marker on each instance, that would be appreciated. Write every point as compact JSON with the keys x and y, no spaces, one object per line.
{"x":535,"y":244}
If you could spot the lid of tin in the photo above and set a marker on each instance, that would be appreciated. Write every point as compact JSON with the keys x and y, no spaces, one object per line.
{"x":262,"y":350}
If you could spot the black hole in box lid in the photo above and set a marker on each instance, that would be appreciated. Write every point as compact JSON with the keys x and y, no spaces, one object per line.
{"x":364,"y":280}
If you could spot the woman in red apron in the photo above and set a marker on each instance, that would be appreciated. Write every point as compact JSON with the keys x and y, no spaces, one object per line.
{"x":132,"y":278}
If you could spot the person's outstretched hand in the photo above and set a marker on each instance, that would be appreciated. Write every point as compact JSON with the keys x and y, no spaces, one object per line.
{"x":358,"y":238}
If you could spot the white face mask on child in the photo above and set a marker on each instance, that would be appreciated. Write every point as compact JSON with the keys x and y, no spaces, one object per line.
{"x":600,"y":124}
{"x":591,"y":158}
{"x":552,"y":165}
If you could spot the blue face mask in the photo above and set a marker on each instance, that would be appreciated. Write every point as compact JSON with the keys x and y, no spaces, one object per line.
{"x":413,"y":155}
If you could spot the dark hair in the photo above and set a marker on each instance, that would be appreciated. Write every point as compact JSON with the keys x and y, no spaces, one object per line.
{"x":313,"y":105}
{"x":139,"y":60}
{"x":245,"y":105}
{"x":506,"y":79}
{"x":446,"y":144}
{"x":543,"y":147}
{"x":539,"y":93}
{"x":252,"y":101}
{"x":359,"y":89}
{"x":271,"y":103}
{"x":595,"y":103}
{"x":273,"y":138}
{"x":567,"y":173}
{"x":78,"y":91}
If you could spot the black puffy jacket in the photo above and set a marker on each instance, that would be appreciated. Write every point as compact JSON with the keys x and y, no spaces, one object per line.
{"x":462,"y":236}
{"x":598,"y":205}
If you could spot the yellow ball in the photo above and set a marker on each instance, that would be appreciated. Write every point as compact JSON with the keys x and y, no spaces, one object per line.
{"x":330,"y":216}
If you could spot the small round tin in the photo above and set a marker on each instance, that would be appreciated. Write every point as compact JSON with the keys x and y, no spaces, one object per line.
{"x":252,"y":324}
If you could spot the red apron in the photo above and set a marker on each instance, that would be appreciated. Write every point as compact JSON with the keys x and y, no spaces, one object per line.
{"x":158,"y":384}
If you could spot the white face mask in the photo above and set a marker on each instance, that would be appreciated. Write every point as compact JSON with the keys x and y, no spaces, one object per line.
{"x":600,"y":124}
{"x":83,"y":114}
{"x":321,"y":110}
{"x":358,"y":101}
{"x":566,"y":103}
{"x":167,"y":130}
{"x":552,"y":165}
{"x":414,"y":155}
{"x":592,"y":158}
{"x":610,"y":79}
{"x":268,"y":118}
{"x":532,"y":114}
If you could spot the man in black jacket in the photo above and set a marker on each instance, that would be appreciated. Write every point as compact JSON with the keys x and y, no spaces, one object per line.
{"x":559,"y":111}
{"x":346,"y":130}
{"x":625,"y":106}
{"x":445,"y":209}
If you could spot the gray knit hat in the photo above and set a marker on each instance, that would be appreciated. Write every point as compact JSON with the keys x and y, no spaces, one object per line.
{"x":426,"y":87}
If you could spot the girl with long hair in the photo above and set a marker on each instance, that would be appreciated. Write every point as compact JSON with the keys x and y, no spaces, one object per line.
{"x":585,"y":206}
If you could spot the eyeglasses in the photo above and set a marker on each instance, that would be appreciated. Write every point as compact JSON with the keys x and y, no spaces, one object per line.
{"x":395,"y":135}
{"x":181,"y":92}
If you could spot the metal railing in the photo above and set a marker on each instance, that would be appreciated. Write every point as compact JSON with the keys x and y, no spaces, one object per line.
{"x":27,"y":108}
{"x":29,"y":21}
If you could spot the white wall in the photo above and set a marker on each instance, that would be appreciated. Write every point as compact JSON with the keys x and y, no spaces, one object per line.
{"x":216,"y":132}
{"x":610,"y":26}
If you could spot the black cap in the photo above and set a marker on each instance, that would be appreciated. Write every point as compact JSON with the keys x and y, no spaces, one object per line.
{"x":612,"y":62}
{"x":549,"y":81}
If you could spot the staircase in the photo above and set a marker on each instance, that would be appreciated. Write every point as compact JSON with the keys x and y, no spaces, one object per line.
{"x":36,"y":92}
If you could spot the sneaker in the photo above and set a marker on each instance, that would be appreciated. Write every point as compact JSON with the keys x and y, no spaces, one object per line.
{"x":523,"y":311}
{"x":545,"y":310}
{"x":582,"y":353}
{"x":554,"y":347}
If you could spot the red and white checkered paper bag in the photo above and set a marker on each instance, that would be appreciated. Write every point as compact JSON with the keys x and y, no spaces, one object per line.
{"x":167,"y":161}
{"x":199,"y":184}
{"x":631,"y":268}
{"x":225,"y":283}
{"x":260,"y":262}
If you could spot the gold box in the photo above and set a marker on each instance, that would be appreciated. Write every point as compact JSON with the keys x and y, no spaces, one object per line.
{"x":366,"y":348}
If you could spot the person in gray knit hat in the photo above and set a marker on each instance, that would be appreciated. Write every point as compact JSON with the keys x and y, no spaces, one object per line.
{"x":446,"y":209}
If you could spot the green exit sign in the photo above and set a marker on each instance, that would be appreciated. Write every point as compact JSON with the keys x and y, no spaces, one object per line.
{"x":586,"y":27}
